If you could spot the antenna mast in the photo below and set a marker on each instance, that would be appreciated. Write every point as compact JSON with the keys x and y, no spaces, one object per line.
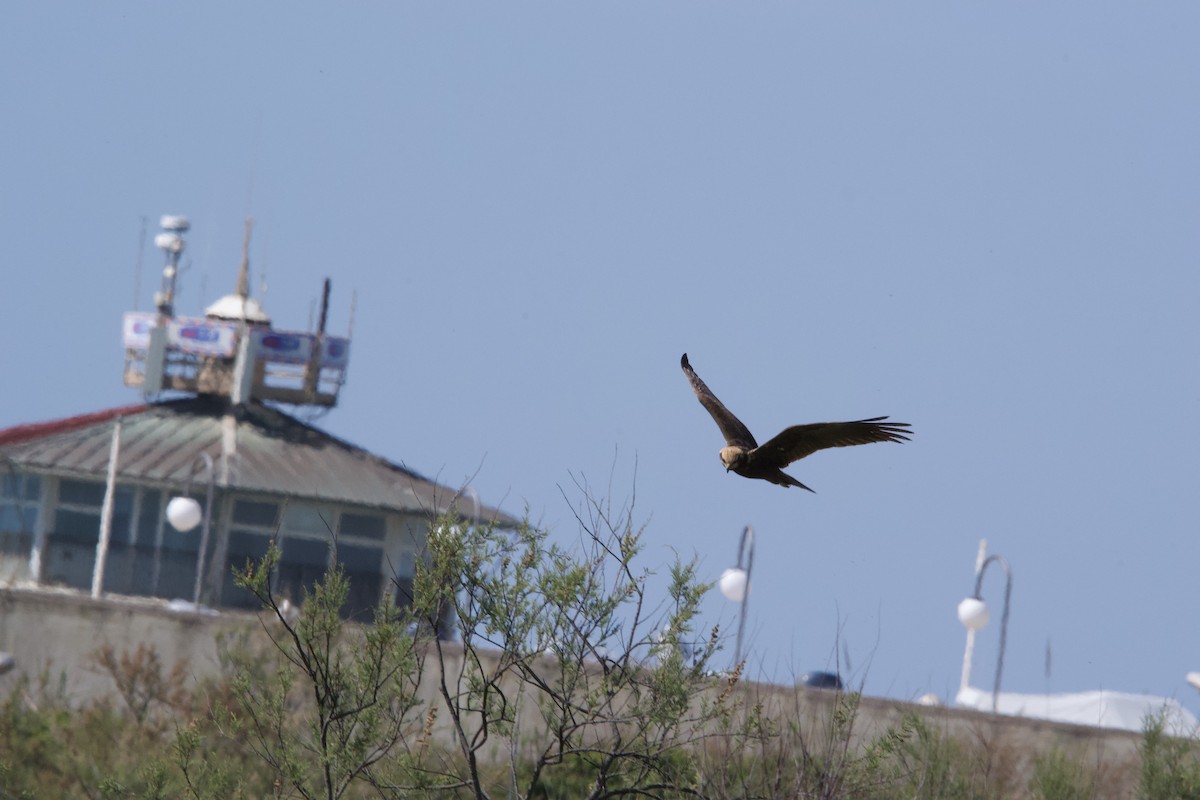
{"x":243,"y":279}
{"x":232,"y":351}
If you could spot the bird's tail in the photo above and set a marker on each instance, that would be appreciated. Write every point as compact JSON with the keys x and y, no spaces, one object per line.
{"x":783,"y":479}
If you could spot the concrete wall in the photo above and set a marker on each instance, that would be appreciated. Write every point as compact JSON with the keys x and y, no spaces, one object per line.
{"x":60,"y":630}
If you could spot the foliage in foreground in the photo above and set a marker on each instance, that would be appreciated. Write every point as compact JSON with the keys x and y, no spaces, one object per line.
{"x":565,"y":681}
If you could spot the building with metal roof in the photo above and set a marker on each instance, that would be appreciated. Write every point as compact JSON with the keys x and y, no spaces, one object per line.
{"x":272,"y":478}
{"x":111,"y":501}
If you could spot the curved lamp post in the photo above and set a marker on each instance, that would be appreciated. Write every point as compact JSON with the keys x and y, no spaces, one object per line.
{"x":184,"y":514}
{"x":974,"y":615}
{"x":735,"y":584}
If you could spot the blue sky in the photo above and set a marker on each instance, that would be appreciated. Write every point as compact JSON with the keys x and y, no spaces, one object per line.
{"x":983,"y":219}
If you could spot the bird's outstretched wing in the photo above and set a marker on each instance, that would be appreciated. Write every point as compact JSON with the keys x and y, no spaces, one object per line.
{"x":799,"y":441}
{"x":732,"y":429}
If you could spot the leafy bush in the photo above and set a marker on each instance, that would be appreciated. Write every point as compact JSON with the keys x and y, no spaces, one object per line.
{"x":1170,"y":767}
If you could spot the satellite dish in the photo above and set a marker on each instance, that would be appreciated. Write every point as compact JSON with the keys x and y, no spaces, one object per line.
{"x":169,"y":241}
{"x":174,"y":222}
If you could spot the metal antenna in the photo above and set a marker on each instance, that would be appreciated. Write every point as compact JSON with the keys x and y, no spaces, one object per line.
{"x":243,"y":280}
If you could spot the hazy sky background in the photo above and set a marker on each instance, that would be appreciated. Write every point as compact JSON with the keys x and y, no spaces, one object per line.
{"x":980,"y":218}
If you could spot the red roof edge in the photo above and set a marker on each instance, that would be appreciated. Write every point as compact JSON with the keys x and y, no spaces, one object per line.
{"x":34,"y":430}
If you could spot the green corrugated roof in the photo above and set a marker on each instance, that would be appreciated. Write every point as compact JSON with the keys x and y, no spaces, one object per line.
{"x":276,"y":454}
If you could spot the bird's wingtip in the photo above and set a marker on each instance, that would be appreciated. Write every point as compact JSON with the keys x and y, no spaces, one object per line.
{"x":683,"y":362}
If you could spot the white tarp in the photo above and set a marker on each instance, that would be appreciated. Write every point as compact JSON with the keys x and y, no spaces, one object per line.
{"x":1102,"y":709}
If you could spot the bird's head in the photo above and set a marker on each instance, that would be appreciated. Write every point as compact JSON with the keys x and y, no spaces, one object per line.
{"x":732,"y":456}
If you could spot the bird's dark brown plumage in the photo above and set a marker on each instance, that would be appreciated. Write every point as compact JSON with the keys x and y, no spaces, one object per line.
{"x":743,"y":455}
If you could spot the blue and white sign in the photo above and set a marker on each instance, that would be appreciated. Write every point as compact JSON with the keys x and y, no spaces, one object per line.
{"x":136,"y":327}
{"x":203,"y":337}
{"x":218,"y":339}
{"x":335,"y":352}
{"x":283,"y":347}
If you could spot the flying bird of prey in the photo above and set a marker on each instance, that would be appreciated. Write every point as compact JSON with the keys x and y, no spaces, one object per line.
{"x":743,"y":455}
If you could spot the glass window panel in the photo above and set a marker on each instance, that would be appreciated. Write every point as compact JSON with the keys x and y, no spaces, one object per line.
{"x":406,"y":567}
{"x":246,"y":544}
{"x":148,"y":517}
{"x":15,"y":543}
{"x":10,"y":485}
{"x":178,"y":542}
{"x":119,"y":568}
{"x":10,"y":517}
{"x":302,"y":564}
{"x":306,"y":519}
{"x":122,"y":518}
{"x":176,"y":574}
{"x":362,"y":596}
{"x":243,"y":546}
{"x":77,"y":526}
{"x":33,"y":487}
{"x":84,"y":493}
{"x":70,"y":563}
{"x":305,"y":551}
{"x":356,"y":558}
{"x":369,"y":526}
{"x":253,"y":512}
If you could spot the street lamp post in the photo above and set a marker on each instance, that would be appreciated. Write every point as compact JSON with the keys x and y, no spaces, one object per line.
{"x":735,"y":584}
{"x":974,"y":615}
{"x":184,"y":514}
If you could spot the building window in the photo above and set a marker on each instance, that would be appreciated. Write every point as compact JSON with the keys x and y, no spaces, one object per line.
{"x":80,"y":493}
{"x":256,"y":514}
{"x":20,"y":501}
{"x":148,"y":525}
{"x":305,"y":535}
{"x":246,"y":547}
{"x":302,"y":564}
{"x":366,"y":526}
{"x":178,"y":552}
{"x":363,"y":568}
{"x":71,"y":554}
{"x":307,"y":521}
{"x":401,"y":574}
{"x":253,"y":523}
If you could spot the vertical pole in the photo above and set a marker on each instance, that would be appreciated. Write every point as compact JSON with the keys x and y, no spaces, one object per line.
{"x":226,"y":468}
{"x":970,"y":648}
{"x":746,"y":548}
{"x":41,"y":530}
{"x":106,"y":512}
{"x":1003,"y":621}
{"x":208,"y":501}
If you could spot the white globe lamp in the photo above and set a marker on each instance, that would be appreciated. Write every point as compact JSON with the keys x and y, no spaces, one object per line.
{"x":183,"y":513}
{"x":973,"y":613}
{"x":734,"y":584}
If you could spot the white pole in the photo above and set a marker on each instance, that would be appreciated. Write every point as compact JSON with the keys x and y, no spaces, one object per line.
{"x":106,"y":512}
{"x":970,"y":648}
{"x":208,"y":503}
